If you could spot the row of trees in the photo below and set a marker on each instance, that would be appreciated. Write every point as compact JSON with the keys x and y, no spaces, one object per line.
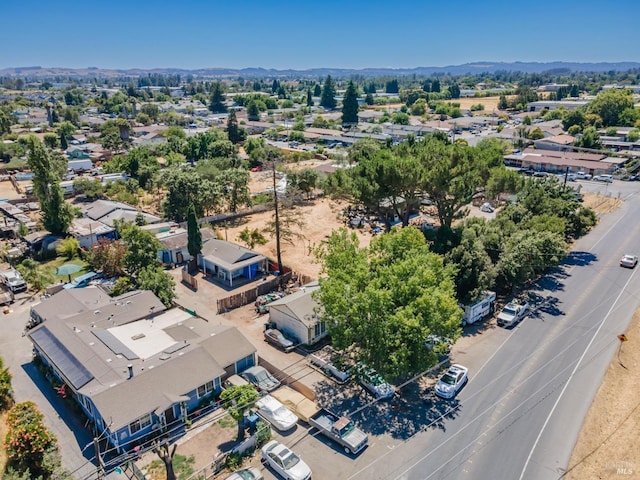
{"x":381,"y":302}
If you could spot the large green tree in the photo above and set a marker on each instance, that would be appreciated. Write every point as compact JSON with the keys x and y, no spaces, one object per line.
{"x":380,"y":303}
{"x":610,"y":105}
{"x":216,"y":102}
{"x":328,"y":98}
{"x":47,"y":167}
{"x":194,"y":236}
{"x":185,"y":188}
{"x":350,"y":105}
{"x":142,"y":248}
{"x":154,"y":278}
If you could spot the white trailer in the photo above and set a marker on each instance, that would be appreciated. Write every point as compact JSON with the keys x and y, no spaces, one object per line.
{"x":480,"y":309}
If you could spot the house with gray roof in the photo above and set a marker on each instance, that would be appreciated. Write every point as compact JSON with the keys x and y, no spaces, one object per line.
{"x":175,"y":244}
{"x":136,"y":369}
{"x":106,"y":211}
{"x":299,"y":316}
{"x":231,"y":264}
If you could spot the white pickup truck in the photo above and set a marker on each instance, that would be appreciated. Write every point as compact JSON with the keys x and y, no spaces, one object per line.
{"x":512,"y":313}
{"x":340,"y":429}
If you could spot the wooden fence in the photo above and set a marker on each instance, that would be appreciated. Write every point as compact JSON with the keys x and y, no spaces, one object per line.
{"x":287,"y":379}
{"x":190,"y":280}
{"x":249,"y":296}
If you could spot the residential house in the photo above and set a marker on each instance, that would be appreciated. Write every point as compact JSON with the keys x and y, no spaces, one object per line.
{"x":88,"y":231}
{"x":299,"y":315}
{"x":175,"y":244}
{"x":556,"y":142}
{"x":231,"y":264}
{"x":107,"y":211}
{"x":136,"y":369}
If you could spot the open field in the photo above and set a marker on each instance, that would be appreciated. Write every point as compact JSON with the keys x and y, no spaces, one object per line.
{"x":490,"y":104}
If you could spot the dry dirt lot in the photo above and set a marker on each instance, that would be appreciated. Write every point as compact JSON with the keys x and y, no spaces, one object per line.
{"x":490,"y":104}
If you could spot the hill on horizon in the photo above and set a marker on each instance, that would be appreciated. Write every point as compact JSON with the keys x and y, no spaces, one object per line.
{"x":455,"y":70}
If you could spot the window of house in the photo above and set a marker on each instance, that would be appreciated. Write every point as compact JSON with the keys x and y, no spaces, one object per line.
{"x":139,"y":424}
{"x":206,"y":389}
{"x":320,"y":328}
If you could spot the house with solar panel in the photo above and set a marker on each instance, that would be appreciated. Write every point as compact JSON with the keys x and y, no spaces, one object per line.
{"x":137,"y":369}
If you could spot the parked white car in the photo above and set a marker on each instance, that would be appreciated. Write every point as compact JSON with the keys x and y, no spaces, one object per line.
{"x":452,"y":381}
{"x":276,"y":413}
{"x":512,"y":313}
{"x":286,"y":463}
{"x":603,"y":178}
{"x":583,"y":176}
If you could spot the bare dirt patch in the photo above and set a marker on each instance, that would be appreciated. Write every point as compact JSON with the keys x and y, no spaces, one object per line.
{"x":490,"y":104}
{"x":320,"y":218}
{"x":601,"y":204}
{"x":607,"y":446}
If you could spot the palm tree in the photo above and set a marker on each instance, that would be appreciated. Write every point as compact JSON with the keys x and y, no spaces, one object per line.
{"x":36,"y":277}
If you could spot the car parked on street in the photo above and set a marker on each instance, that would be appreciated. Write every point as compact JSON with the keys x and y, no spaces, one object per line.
{"x":286,"y":463}
{"x":261,"y":378}
{"x":452,"y":381}
{"x":512,"y":313}
{"x":629,"y":261}
{"x":603,"y":178}
{"x":277,"y":338}
{"x":276,"y":414}
{"x":583,"y":175}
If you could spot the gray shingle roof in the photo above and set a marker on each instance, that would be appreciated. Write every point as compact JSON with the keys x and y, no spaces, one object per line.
{"x":300,"y":304}
{"x":229,"y":255}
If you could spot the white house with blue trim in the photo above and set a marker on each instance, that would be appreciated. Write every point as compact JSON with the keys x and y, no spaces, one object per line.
{"x":137,"y":370}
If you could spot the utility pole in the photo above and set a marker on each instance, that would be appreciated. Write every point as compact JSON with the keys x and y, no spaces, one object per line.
{"x":277,"y":215}
{"x":100,"y":467}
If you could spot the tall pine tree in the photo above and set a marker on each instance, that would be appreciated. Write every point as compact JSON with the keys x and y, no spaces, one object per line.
{"x":216,"y":104}
{"x":194,"y":236}
{"x":350,"y":105}
{"x":309,"y":98}
{"x":328,"y":98}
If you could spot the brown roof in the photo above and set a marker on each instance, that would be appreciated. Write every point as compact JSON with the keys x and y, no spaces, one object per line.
{"x":567,"y":155}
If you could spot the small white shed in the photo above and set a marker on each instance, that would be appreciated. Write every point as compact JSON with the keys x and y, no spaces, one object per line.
{"x":299,"y":315}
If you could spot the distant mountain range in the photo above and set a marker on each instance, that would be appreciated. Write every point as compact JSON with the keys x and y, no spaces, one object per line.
{"x":557,"y":68}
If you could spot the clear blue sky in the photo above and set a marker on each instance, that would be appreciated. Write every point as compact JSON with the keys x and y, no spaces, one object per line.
{"x":306,"y":34}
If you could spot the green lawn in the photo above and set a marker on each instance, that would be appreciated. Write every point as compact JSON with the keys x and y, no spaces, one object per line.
{"x":51,"y":265}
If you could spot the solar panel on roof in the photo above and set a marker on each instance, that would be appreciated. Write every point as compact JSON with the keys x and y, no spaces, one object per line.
{"x":62,"y":358}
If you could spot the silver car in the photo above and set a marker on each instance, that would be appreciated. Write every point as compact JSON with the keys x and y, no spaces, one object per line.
{"x":261,"y":378}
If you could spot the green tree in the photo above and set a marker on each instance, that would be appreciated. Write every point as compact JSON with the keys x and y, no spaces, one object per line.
{"x":309,"y":98}
{"x":50,"y":140}
{"x":610,"y":104}
{"x":328,"y":98}
{"x":6,"y":389}
{"x":142,"y":248}
{"x":475,"y":271}
{"x":90,"y":187}
{"x":216,"y":103}
{"x":451,"y":178}
{"x":238,"y":399}
{"x":368,"y":99}
{"x":33,"y":274}
{"x":28,"y":439}
{"x":253,"y":112}
{"x":590,"y":138}
{"x":154,"y":278}
{"x":107,"y":256}
{"x":502,"y":103}
{"x":381,"y":302}
{"x":5,"y":122}
{"x":350,"y":105}
{"x":573,"y":117}
{"x":185,"y":188}
{"x":68,"y":247}
{"x":251,"y":238}
{"x":454,"y":90}
{"x":47,"y":167}
{"x":194,"y":236}
{"x":536,"y":134}
{"x":235,"y":133}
